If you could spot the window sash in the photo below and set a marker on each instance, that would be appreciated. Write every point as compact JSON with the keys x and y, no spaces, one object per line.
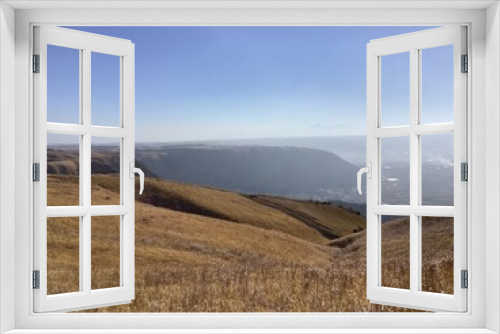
{"x":413,"y":43}
{"x":86,"y":297}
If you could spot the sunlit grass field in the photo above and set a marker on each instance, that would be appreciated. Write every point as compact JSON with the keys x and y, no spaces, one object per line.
{"x":208,"y":250}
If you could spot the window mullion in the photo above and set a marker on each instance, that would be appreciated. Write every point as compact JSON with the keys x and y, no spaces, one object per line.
{"x":414,"y":171}
{"x":85,"y":172}
{"x":81,"y":279}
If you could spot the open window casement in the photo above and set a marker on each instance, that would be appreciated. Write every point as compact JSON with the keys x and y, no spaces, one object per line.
{"x":380,"y":52}
{"x":85,"y":295}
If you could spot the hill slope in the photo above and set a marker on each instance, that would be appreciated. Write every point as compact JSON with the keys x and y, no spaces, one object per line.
{"x":165,"y":239}
{"x":194,"y":199}
{"x":201,"y":249}
{"x":238,"y":208}
{"x":328,"y":219}
{"x":188,"y":262}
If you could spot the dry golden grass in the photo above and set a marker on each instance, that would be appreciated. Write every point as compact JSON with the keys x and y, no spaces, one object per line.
{"x":188,"y":262}
{"x":62,"y":191}
{"x":218,"y":204}
{"x":261,"y":288}
{"x":437,"y":253}
{"x":339,"y":220}
{"x":63,"y":254}
{"x":204,"y":201}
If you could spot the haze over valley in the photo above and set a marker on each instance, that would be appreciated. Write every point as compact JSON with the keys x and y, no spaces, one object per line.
{"x":316,"y":168}
{"x":321,"y":169}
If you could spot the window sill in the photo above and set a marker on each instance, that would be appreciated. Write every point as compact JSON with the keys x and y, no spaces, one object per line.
{"x":251,"y":331}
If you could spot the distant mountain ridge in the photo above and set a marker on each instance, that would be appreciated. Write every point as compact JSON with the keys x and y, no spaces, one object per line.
{"x":350,"y":148}
{"x":438,"y":148}
{"x":284,"y":171}
{"x":298,"y":172}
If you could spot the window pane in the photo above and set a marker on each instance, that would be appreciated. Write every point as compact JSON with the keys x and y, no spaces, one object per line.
{"x":395,"y":89}
{"x":63,"y":170}
{"x":105,"y":90}
{"x":437,"y":84}
{"x":437,"y":254}
{"x":395,"y":252}
{"x":63,"y":255}
{"x":437,"y":169}
{"x":63,"y":85}
{"x":105,"y":252}
{"x":395,"y":170}
{"x":105,"y":171}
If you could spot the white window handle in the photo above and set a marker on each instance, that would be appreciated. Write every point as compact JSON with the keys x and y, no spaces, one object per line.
{"x":368,"y":171}
{"x":133,"y":171}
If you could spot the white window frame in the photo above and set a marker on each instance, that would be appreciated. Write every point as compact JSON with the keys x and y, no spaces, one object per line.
{"x":414,"y":43}
{"x":483,"y":100}
{"x":86,"y":44}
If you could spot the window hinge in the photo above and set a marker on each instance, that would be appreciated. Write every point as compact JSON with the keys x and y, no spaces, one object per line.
{"x":36,"y":279}
{"x":465,"y":64}
{"x":36,"y":172}
{"x":465,"y":279}
{"x":464,"y":171}
{"x":36,"y":63}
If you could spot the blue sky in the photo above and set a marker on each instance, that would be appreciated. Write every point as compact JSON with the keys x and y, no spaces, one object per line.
{"x":204,"y":83}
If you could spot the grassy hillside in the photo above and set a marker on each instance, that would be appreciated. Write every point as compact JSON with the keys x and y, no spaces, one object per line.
{"x":176,"y":239}
{"x":339,"y":221}
{"x":205,"y":250}
{"x":237,"y":208}
{"x":210,"y":202}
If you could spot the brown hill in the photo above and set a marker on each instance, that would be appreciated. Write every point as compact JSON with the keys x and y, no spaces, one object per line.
{"x":187,"y":262}
{"x":105,"y":160}
{"x":206,"y":250}
{"x":233,"y":207}
{"x":209,"y":202}
{"x":330,"y":220}
{"x":168,"y":237}
{"x":168,"y":242}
